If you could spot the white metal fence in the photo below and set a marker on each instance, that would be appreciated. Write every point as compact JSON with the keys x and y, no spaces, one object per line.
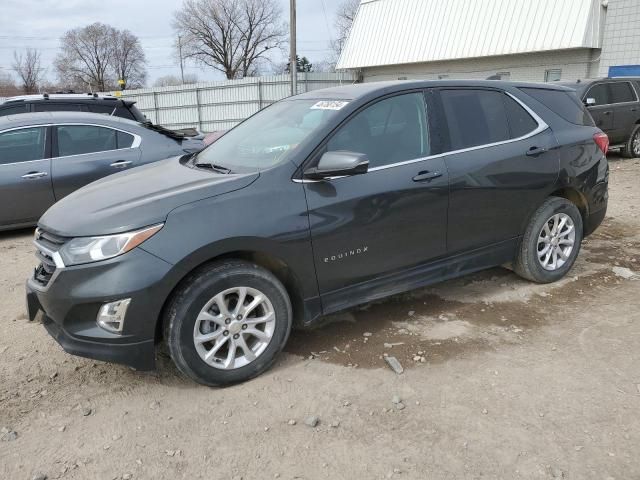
{"x":221,"y":105}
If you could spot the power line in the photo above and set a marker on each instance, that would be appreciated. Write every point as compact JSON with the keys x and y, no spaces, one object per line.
{"x":326,"y":20}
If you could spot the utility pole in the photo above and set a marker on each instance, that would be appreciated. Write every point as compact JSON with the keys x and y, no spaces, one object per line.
{"x":180,"y":53}
{"x":293,"y":63}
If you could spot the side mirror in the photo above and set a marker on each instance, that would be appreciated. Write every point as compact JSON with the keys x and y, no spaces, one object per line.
{"x":338,"y":164}
{"x":590,"y":102}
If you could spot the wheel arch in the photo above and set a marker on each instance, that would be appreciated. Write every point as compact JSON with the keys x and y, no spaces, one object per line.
{"x":577,"y":198}
{"x":270,"y":262}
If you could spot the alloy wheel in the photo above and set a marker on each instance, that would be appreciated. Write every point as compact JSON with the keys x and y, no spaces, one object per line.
{"x":234,"y":328}
{"x":635,"y":144}
{"x":556,"y":241}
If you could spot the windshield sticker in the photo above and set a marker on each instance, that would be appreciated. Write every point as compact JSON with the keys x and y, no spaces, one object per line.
{"x":329,"y":105}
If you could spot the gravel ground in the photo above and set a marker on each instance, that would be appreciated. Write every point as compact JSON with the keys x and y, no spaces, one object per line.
{"x":502,"y":379}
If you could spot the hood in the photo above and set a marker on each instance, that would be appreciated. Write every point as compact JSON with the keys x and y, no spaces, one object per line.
{"x":137,"y":198}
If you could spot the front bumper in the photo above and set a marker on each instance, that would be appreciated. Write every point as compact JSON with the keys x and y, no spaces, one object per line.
{"x":73,"y":297}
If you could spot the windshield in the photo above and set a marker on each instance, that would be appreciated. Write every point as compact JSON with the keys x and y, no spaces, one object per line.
{"x":269,"y":137}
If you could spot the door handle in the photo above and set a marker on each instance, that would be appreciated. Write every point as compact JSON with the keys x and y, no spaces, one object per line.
{"x":536,"y":151}
{"x":121,"y":163}
{"x":426,"y":176}
{"x":606,"y":113}
{"x":32,"y":175}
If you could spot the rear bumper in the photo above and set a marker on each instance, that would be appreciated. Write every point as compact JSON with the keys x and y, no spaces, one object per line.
{"x":72,"y":299}
{"x":594,"y":220}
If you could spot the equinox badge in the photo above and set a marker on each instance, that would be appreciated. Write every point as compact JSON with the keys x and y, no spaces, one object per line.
{"x":343,"y":255}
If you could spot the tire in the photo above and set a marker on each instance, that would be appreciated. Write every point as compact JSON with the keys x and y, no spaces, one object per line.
{"x":529,"y":263}
{"x":631,"y":149}
{"x":197,"y":310}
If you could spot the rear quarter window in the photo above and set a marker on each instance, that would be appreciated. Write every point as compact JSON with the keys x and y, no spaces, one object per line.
{"x":564,"y":104}
{"x":124,"y":112}
{"x":520,"y":122}
{"x":104,"y":109}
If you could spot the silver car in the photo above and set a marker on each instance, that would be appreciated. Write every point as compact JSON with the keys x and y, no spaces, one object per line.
{"x":46,"y":156}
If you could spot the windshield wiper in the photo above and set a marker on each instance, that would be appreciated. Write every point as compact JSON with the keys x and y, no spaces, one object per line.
{"x":214,"y":167}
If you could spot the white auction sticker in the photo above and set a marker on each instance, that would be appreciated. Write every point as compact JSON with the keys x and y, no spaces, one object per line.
{"x":329,"y":105}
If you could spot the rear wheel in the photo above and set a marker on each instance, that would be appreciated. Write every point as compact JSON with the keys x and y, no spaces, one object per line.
{"x":551,"y":242}
{"x":228,"y":323}
{"x":632,"y":147}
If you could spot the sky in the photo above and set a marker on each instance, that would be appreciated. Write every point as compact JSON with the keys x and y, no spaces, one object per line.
{"x":40,"y":23}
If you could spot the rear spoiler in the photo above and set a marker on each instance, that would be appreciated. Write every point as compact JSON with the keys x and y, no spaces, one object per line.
{"x":180,"y":134}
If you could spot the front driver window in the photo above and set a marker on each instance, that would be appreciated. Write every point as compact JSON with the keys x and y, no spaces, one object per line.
{"x":22,"y":145}
{"x":389,"y":131}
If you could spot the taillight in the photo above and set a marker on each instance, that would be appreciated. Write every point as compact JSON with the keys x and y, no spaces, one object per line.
{"x":602,"y":141}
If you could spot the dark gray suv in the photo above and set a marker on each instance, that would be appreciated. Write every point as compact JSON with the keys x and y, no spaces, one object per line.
{"x":614,"y":104}
{"x":315,"y":204}
{"x":72,"y":102}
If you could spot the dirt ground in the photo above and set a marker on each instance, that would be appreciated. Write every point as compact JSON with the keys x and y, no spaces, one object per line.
{"x":503,"y":379}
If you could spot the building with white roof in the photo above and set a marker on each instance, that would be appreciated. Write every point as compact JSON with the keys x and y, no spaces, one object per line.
{"x":528,"y":40}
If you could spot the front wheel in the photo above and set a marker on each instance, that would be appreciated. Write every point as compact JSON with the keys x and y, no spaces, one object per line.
{"x":551,"y":242}
{"x":228,"y":323}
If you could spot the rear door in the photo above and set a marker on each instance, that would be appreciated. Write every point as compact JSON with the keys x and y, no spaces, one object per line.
{"x":85,"y":153}
{"x":626,"y":111}
{"x":392,"y":217}
{"x":25,"y":175}
{"x":602,"y":110}
{"x":502,"y":160}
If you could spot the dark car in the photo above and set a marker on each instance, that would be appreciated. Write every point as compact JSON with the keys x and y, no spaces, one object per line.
{"x":46,"y":156}
{"x":614,"y":104}
{"x":318,"y":203}
{"x":65,"y":102}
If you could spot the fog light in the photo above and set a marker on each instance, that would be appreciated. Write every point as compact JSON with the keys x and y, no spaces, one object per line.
{"x":111,"y":315}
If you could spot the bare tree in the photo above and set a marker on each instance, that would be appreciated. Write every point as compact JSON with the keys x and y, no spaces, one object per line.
{"x":129,"y":59}
{"x":98,"y":55}
{"x":171,"y":80}
{"x":86,"y":57}
{"x":8,"y":87}
{"x":28,"y":69}
{"x":232,"y":37}
{"x":344,"y":18}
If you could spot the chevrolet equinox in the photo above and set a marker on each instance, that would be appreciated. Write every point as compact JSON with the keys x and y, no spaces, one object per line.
{"x":315,"y":204}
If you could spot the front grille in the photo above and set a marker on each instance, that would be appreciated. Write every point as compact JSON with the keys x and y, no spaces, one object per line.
{"x":47,"y":244}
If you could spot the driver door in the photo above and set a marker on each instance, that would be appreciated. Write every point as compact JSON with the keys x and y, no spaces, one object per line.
{"x":25,"y":175}
{"x":385,"y":221}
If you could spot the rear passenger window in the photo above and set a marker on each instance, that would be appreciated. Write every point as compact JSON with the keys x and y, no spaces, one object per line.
{"x":562,"y":103}
{"x":475,"y":117}
{"x":124,"y":140}
{"x":390,"y":131}
{"x":14,"y":109}
{"x":45,"y":106}
{"x":520,"y":122}
{"x":81,"y":139}
{"x":622,"y":92}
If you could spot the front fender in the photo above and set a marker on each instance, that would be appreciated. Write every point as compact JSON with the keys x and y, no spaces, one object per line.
{"x":267,"y":220}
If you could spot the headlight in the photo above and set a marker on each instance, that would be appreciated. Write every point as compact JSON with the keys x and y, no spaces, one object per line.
{"x":93,"y":249}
